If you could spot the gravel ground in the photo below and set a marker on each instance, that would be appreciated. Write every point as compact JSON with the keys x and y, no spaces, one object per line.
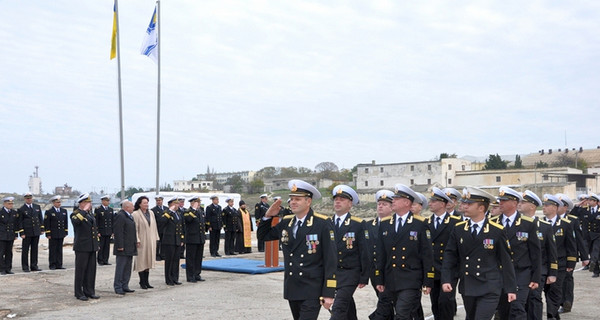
{"x":49,"y":295}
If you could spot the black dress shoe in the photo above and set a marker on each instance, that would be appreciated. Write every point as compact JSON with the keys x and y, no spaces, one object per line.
{"x":170,"y":284}
{"x":93,"y":297}
{"x":25,"y":270}
{"x":52,"y":268}
{"x":107,"y":264}
{"x":36,"y":269}
{"x":120,"y":293}
{"x":83,"y":298}
{"x":128,"y":290}
{"x":192,"y":280}
{"x":199,"y":278}
{"x":218,"y":255}
{"x":3,"y":273}
{"x":61,"y":268}
{"x":177,"y":282}
{"x":9,"y":272}
{"x":596,"y":275}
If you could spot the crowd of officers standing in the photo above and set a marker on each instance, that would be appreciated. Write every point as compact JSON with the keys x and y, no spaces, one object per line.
{"x":498,"y":254}
{"x":495,"y":250}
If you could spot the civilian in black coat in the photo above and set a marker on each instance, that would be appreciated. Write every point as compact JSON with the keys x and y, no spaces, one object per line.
{"x":85,"y":246}
{"x":125,"y":247}
{"x":56,"y":225}
{"x":32,"y":223}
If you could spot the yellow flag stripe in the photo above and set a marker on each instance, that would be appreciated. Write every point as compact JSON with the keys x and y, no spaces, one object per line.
{"x":113,"y":45}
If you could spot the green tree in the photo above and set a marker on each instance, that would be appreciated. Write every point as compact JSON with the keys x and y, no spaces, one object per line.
{"x":256,"y":186}
{"x":518,"y":162}
{"x":445,"y":155}
{"x":267,"y":172}
{"x":327,"y":170}
{"x":236,"y":183}
{"x":541,"y":164}
{"x":495,"y":162}
{"x":565,"y":160}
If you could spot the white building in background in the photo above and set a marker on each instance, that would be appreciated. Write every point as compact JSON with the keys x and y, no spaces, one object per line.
{"x":246,"y":176}
{"x":439,"y":173}
{"x":189,"y":185}
{"x":35,"y":183}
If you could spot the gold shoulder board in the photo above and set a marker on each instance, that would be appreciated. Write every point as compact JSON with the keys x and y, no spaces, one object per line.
{"x":496,"y":225}
{"x":526,"y":218}
{"x":357,"y":219}
{"x":289,"y":216}
{"x":386,"y":218}
{"x":420,"y":218}
{"x":455,"y":217}
{"x":461,"y":223}
{"x":320,"y":216}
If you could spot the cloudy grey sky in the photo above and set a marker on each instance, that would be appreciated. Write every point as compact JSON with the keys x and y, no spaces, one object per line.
{"x":248,"y":84}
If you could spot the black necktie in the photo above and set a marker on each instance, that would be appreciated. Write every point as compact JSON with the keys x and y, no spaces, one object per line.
{"x":474,"y":233}
{"x":298,"y":225}
{"x":437,"y":222}
{"x":507,"y":223}
{"x":337,"y":223}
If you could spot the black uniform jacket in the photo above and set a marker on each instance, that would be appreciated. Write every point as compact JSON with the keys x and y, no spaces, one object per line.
{"x":579,"y":240}
{"x":125,"y":235}
{"x":483,"y":262}
{"x":231,"y":219}
{"x":566,"y":248}
{"x":171,"y":224}
{"x":194,"y":227}
{"x":590,"y":223}
{"x":439,"y":239}
{"x":524,"y":246}
{"x":56,"y":223}
{"x":260,"y":209}
{"x":86,"y":231}
{"x":404,"y":258}
{"x":9,"y":224}
{"x":352,"y":252}
{"x":32,"y":220}
{"x":214,"y":218}
{"x":548,"y":244}
{"x":104,"y":218}
{"x":309,"y":258}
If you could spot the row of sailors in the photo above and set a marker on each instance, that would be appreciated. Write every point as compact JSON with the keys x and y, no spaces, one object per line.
{"x":501,"y":265}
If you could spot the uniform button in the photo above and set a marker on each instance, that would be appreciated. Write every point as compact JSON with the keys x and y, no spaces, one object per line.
{"x":291,"y":254}
{"x":300,"y":273}
{"x":477,"y":274}
{"x":393,"y":265}
{"x":467,"y":258}
{"x":302,"y":256}
{"x":393,"y":248}
{"x":290,"y":263}
{"x":441,"y":258}
{"x":393,"y":257}
{"x":290,"y":273}
{"x":403,"y":266}
{"x":441,"y":244}
{"x":340,"y":252}
{"x":340,"y":260}
{"x":441,"y":251}
{"x":466,"y":265}
{"x":403,"y":249}
{"x":403,"y":257}
{"x":478,"y":259}
{"x":477,"y":267}
{"x":301,"y":264}
{"x":433,"y":243}
{"x":467,"y":273}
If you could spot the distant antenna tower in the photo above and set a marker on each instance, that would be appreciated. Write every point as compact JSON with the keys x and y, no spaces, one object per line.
{"x":35,"y":174}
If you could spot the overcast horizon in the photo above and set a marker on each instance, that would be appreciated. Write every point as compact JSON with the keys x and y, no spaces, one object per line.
{"x":250,"y":84}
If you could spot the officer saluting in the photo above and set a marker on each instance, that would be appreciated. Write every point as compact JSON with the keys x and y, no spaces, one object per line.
{"x":404,"y":257}
{"x":56,"y":225}
{"x":195,"y":236}
{"x":478,"y":251}
{"x":353,"y":252}
{"x":308,"y":244}
{"x":85,"y":246}
{"x":526,"y":252}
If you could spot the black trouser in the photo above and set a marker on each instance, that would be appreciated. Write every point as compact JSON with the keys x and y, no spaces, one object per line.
{"x":343,"y":306}
{"x":215,"y":237}
{"x":481,"y":307}
{"x":535,"y":307}
{"x":305,"y":309}
{"x":55,"y":252}
{"x":122,"y":273}
{"x":30,"y":242}
{"x":594,"y":246}
{"x":568,"y":288}
{"x":6,"y":255}
{"x":229,"y":242}
{"x":442,"y":303}
{"x":239,"y":242}
{"x":193,"y":260}
{"x":385,"y":306}
{"x":85,"y":273}
{"x":171,"y":253}
{"x":159,"y":255}
{"x":104,"y":251}
{"x":516,"y":309}
{"x":417,"y":312}
{"x":554,"y":294}
{"x":405,"y":302}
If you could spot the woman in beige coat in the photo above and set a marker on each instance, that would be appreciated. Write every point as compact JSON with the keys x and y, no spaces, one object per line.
{"x":147,"y":235}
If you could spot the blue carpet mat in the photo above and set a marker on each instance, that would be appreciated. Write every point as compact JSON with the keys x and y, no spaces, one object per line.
{"x":238,"y":265}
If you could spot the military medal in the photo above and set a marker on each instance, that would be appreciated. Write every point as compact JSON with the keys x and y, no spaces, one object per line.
{"x":488,"y":243}
{"x":413,"y":235}
{"x":522,"y":236}
{"x":284,"y":237}
{"x":540,"y":235}
{"x":312,"y":242}
{"x":349,"y":239}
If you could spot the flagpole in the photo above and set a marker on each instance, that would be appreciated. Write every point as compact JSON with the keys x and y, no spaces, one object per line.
{"x":158,"y":26}
{"x":120,"y":101}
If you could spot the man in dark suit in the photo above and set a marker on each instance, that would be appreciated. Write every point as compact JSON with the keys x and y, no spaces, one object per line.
{"x":441,"y":225}
{"x":85,"y":246}
{"x":195,"y":236}
{"x":582,"y":253}
{"x":171,"y":223}
{"x":125,"y":247}
{"x":384,"y":210}
{"x":231,"y":221}
{"x":9,"y":229}
{"x":158,"y":211}
{"x":526,"y":252}
{"x":215,"y":224}
{"x":404,"y":257}
{"x":56,"y":225}
{"x":566,"y":250}
{"x":259,"y":212}
{"x":527,"y":207}
{"x":104,"y":217}
{"x":478,"y":251}
{"x":353,"y":253}
{"x":308,"y":244}
{"x":32,"y":222}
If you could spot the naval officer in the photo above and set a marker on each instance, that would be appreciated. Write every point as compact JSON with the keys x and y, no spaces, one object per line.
{"x":56,"y":225}
{"x":478,"y":251}
{"x":32,"y":222}
{"x":308,"y":244}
